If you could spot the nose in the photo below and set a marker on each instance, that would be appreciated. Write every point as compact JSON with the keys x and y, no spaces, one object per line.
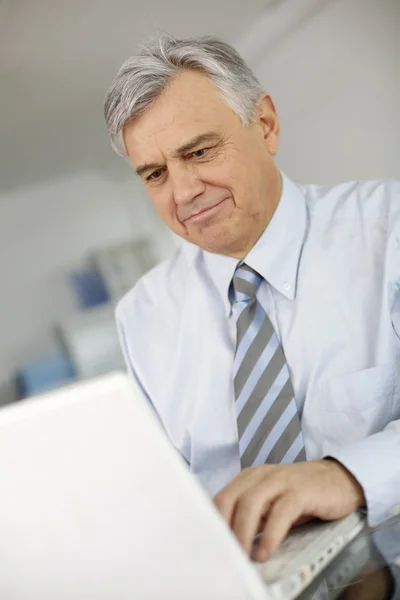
{"x":186,"y":185}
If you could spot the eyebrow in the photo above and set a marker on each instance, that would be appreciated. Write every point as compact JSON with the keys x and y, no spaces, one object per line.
{"x":210,"y":136}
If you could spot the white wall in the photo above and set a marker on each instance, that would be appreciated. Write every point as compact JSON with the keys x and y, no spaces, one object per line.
{"x":44,"y":232}
{"x":333,"y":68}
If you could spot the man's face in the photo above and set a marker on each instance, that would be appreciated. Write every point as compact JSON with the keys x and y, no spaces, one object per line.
{"x":213,"y":181}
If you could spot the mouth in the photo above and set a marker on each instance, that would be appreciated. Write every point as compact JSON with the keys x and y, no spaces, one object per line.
{"x":205,"y":213}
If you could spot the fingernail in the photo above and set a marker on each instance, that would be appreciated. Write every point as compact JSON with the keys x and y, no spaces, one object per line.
{"x":263,"y":555}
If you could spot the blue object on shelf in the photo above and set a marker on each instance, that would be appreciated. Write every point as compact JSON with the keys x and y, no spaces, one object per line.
{"x":44,"y":375}
{"x":89,"y":288}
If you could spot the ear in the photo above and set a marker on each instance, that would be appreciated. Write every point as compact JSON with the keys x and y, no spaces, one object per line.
{"x":267,"y":119}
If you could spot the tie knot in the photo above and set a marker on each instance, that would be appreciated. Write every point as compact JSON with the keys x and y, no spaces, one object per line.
{"x":246,"y":282}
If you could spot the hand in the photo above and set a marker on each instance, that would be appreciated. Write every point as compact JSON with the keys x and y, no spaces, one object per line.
{"x":273,"y":498}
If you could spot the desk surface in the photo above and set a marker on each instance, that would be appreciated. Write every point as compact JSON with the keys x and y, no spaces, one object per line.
{"x":367,"y":569}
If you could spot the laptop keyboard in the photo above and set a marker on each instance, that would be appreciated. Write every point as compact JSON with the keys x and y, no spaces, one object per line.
{"x":296,"y":544}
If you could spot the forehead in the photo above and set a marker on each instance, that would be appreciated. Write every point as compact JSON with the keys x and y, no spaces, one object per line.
{"x":189,"y":106}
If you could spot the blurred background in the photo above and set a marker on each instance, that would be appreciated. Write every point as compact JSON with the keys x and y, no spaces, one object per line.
{"x":76,"y":227}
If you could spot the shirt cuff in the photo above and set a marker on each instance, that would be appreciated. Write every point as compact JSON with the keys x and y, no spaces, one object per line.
{"x":375,"y":463}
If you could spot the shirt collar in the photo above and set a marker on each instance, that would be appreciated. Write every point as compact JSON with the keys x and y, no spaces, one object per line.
{"x":276,"y":254}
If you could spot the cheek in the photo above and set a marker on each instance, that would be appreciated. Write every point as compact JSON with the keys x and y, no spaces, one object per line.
{"x":246,"y":184}
{"x":166,"y":208}
{"x":220,"y":175}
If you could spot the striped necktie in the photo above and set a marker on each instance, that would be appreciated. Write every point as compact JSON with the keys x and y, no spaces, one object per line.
{"x":267,"y":418}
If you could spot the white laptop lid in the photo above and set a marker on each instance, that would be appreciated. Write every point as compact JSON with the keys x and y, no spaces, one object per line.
{"x":96,"y":504}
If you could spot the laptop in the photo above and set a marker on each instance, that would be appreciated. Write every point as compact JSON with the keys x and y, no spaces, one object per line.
{"x":96,"y":504}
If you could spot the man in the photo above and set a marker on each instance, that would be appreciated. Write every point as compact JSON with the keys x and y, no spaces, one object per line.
{"x":270,"y":338}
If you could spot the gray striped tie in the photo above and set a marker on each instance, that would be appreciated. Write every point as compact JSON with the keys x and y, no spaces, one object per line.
{"x":267,"y":418}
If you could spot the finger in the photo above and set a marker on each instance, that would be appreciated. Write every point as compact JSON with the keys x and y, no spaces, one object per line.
{"x":251,"y":508}
{"x":303,"y":520}
{"x":283,"y":513}
{"x":226,"y":499}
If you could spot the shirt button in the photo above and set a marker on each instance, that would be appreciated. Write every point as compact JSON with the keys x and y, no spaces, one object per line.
{"x":287,"y":286}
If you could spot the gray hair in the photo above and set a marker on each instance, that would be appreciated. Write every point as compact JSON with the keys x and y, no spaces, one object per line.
{"x":142,"y":79}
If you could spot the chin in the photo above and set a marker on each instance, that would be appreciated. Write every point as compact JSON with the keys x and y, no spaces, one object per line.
{"x":218,"y":240}
{"x":216,"y":247}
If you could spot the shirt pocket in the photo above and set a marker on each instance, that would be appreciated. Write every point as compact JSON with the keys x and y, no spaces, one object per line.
{"x":352,"y":406}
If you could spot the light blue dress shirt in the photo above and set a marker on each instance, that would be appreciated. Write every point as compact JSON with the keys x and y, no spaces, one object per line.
{"x":330,"y":258}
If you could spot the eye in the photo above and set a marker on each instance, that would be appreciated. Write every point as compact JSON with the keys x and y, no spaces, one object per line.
{"x":199,"y":153}
{"x":155,"y":175}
